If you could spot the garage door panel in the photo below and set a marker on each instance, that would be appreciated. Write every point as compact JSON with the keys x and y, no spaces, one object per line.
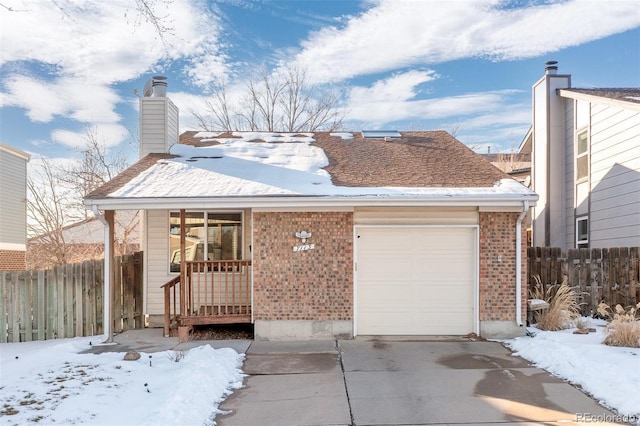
{"x":382,"y":267}
{"x":416,"y":280}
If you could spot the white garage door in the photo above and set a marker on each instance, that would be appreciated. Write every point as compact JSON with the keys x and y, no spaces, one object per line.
{"x":415,"y":280}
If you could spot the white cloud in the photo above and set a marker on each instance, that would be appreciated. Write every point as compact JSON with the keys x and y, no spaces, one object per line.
{"x":399,"y":33}
{"x":399,"y":87}
{"x":83,"y":101}
{"x":86,"y":46}
{"x":379,"y":104}
{"x":108,"y":135}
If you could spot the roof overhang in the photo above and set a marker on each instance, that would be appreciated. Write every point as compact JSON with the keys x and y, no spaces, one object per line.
{"x":568,"y":93}
{"x":503,"y":200}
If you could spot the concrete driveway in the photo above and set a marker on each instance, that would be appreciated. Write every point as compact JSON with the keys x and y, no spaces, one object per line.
{"x":379,"y":382}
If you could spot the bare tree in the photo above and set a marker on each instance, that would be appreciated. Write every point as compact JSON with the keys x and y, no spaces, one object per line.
{"x":46,"y":213}
{"x":55,"y":205}
{"x":217,"y":113}
{"x":94,"y":167}
{"x":273,"y":102}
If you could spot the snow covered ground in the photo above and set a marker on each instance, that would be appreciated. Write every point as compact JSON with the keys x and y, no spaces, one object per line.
{"x":609,"y":374}
{"x":50,"y":382}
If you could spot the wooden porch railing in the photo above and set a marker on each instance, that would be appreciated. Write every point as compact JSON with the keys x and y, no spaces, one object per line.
{"x":171,"y":294}
{"x":215,"y":292}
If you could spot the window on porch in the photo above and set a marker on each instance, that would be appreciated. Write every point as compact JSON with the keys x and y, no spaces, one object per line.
{"x":208,"y":235}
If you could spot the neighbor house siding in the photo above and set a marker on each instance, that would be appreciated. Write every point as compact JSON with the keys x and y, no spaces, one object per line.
{"x":498,"y":267}
{"x":570,"y":180}
{"x":13,"y":208}
{"x":615,"y":177}
{"x":315,"y":284}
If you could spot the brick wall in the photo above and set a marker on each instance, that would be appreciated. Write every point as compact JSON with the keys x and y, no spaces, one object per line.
{"x":306,"y":285}
{"x":497,"y":277}
{"x":12,"y":260}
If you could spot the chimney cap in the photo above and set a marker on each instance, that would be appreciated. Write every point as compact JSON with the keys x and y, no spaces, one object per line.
{"x":551,"y":67}
{"x":156,"y":86}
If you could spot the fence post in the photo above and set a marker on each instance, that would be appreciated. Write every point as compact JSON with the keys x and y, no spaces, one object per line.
{"x":98,"y":287}
{"x":596,"y":281}
{"x":137,"y":296}
{"x":42,"y":307}
{"x":14,"y":316}
{"x":26,"y":319}
{"x":117,"y":292}
{"x":4,"y":306}
{"x":634,"y":273}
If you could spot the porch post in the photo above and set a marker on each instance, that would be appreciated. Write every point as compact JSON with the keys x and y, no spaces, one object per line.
{"x":109,"y":268}
{"x":183,"y":263}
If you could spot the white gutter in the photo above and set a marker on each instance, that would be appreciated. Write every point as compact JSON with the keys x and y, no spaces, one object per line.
{"x":107,"y":277}
{"x":308,"y":201}
{"x":525,"y":210}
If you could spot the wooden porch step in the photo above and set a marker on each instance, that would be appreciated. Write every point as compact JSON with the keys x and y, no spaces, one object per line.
{"x":215,"y":319}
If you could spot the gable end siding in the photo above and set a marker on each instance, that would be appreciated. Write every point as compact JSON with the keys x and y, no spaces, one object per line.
{"x":615,"y":177}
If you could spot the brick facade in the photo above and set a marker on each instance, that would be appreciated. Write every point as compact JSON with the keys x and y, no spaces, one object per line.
{"x":13,"y":260}
{"x":497,"y":276}
{"x":305,"y":285}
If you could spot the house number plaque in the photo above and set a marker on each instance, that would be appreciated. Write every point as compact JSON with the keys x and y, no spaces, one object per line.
{"x":304,"y":236}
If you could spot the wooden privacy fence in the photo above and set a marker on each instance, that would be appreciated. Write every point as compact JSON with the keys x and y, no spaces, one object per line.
{"x":599,"y":275}
{"x":67,"y":301}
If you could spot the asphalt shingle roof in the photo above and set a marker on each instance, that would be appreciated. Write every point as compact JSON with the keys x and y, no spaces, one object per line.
{"x":430,"y":159}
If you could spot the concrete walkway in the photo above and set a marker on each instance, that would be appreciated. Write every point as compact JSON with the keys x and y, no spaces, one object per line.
{"x":383,"y":382}
{"x":398,"y":383}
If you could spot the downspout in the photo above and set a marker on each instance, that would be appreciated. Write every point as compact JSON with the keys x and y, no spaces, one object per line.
{"x":107,"y":276}
{"x":525,"y":210}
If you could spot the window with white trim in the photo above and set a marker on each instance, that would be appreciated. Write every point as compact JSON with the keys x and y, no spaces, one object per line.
{"x":582,"y":232}
{"x":582,"y":156}
{"x":208,"y":236}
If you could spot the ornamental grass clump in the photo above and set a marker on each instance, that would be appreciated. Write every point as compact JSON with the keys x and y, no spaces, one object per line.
{"x":624,"y":328}
{"x":564,"y":307}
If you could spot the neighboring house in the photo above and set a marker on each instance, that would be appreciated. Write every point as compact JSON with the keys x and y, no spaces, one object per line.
{"x":84,"y":241}
{"x":13,"y":208}
{"x":318,"y":235}
{"x":585,"y":151}
{"x":516,"y":165}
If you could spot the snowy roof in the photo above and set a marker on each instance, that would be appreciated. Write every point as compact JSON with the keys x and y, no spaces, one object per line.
{"x":206,"y":165}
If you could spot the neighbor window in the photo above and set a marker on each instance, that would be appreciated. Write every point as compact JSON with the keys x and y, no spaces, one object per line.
{"x":208,"y":236}
{"x":582,"y":232}
{"x":582,"y":156}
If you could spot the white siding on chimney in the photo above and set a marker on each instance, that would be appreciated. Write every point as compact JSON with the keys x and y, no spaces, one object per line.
{"x":549,"y":157}
{"x":158,"y":125}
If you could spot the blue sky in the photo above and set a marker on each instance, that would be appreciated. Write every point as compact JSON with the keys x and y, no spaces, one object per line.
{"x":467,"y":67}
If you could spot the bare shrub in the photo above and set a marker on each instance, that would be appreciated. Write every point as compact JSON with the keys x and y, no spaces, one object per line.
{"x":564,"y":306}
{"x":177,"y":356}
{"x":624,"y":328}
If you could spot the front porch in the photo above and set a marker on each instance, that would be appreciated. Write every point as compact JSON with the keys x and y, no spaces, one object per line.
{"x":208,"y":292}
